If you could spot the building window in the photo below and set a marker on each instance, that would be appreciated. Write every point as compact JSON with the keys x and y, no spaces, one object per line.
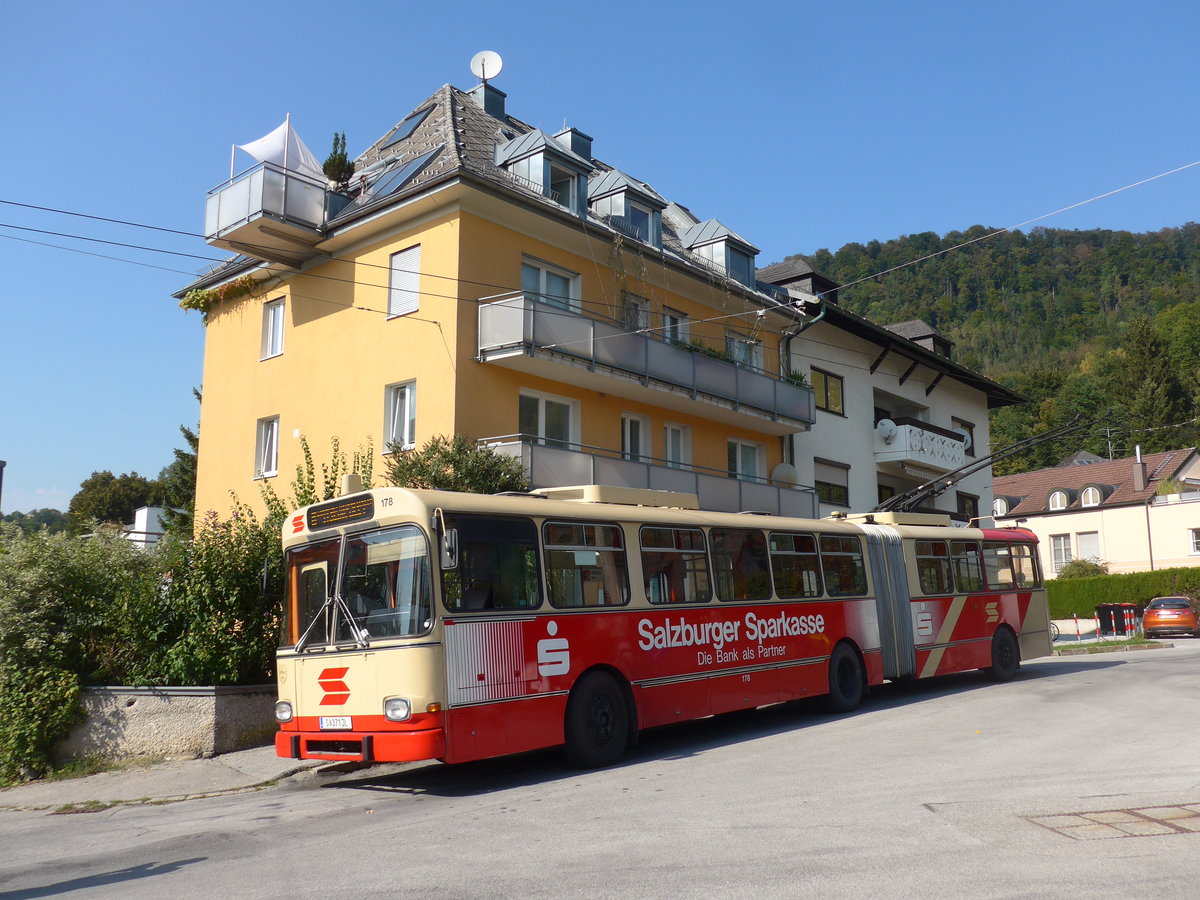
{"x":563,"y":187}
{"x":744,"y":460}
{"x":635,"y":437}
{"x":1058,"y":501}
{"x":832,"y":482}
{"x":550,"y":284}
{"x":1060,"y":548}
{"x":1091,"y":497}
{"x":642,"y":219}
{"x":885,"y":492}
{"x":999,"y":507}
{"x":740,"y":266}
{"x":1195,"y":532}
{"x":266,"y":448}
{"x":272,"y":330}
{"x":548,"y":420}
{"x":968,"y":505}
{"x":827,"y":389}
{"x":743,"y":350}
{"x":404,"y":282}
{"x":400,"y":427}
{"x":635,"y":311}
{"x":675,"y":326}
{"x":968,"y":429}
{"x":1088,"y":545}
{"x":678,"y":447}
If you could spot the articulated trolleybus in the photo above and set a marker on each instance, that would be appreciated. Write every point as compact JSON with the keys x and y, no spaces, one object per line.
{"x":438,"y":625}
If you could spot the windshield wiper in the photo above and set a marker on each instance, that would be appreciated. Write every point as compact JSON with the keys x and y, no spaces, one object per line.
{"x":335,"y":600}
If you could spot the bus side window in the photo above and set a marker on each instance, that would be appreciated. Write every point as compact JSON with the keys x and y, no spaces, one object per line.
{"x":675,"y":565}
{"x":497,"y":564}
{"x":796,"y":565}
{"x":740,"y":564}
{"x":585,"y":565}
{"x":842,"y":564}
{"x":1024,"y":562}
{"x":933,"y":567}
{"x":998,"y":566}
{"x":968,"y":568}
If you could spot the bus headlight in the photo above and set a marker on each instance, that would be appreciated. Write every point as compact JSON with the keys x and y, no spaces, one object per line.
{"x":397,"y":709}
{"x":283,"y":711}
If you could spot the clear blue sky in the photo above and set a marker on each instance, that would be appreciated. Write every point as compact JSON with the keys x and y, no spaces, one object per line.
{"x":800,"y":125}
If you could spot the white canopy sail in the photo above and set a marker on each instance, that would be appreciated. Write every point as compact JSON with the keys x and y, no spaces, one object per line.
{"x":283,"y":147}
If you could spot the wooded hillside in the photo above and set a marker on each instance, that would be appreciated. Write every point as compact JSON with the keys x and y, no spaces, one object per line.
{"x":1077,"y":321}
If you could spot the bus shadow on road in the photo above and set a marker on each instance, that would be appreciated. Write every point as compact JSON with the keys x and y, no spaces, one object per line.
{"x":673,"y":742}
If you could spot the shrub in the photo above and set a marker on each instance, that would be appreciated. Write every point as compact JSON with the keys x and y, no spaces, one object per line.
{"x":1083,"y":568}
{"x":1079,"y":596}
{"x":456,"y":464}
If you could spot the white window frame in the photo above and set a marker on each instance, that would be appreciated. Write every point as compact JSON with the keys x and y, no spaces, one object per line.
{"x":400,"y":416}
{"x":571,"y":201}
{"x":1058,"y":501}
{"x":1195,"y":534}
{"x":540,"y":436}
{"x":530,"y":265}
{"x":677,"y":437}
{"x":649,"y":236}
{"x":404,"y":282}
{"x":1060,"y":551}
{"x":744,"y":350}
{"x":272,"y":330}
{"x":635,"y":437}
{"x":740,"y":447}
{"x":1080,"y":537}
{"x":999,"y":507}
{"x":1091,"y":497}
{"x":675,"y":326}
{"x":635,"y":311}
{"x":266,"y":447}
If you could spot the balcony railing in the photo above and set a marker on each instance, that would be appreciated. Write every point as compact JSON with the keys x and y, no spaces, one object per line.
{"x":268,"y":212}
{"x":556,"y":466}
{"x":525,"y":332}
{"x":919,"y":444}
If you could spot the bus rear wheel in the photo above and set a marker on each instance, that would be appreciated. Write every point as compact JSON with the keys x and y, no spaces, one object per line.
{"x":1006,"y":656}
{"x":597,"y":722}
{"x":846,"y":683}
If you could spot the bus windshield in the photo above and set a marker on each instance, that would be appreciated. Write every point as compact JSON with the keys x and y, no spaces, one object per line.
{"x":383,"y":578}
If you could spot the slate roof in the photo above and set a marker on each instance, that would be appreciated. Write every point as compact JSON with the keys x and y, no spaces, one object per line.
{"x":915,"y":329}
{"x":1028,"y":493}
{"x":788,"y":270}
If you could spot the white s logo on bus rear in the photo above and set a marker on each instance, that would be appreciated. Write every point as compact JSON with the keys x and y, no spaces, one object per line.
{"x":553,"y":654}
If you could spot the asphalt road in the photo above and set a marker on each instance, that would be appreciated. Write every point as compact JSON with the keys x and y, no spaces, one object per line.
{"x":1078,"y":779}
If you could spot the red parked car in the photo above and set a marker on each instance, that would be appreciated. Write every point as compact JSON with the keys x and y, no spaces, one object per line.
{"x":1170,"y":615}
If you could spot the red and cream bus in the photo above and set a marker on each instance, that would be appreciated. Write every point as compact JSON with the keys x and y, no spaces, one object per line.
{"x":437,"y":625}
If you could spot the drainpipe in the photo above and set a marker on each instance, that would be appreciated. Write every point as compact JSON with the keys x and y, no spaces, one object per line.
{"x":787,"y":353}
{"x":1149,"y":539}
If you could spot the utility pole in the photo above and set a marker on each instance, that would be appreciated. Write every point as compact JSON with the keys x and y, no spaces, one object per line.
{"x":2,"y":465}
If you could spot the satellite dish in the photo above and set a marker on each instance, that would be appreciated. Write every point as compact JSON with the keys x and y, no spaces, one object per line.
{"x":966,"y":439}
{"x":486,"y":64}
{"x":887,"y":430}
{"x":785,"y":473}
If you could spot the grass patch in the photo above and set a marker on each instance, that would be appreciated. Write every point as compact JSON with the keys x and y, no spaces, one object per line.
{"x":94,"y":765}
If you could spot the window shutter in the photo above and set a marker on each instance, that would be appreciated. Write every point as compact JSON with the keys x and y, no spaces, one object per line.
{"x":405,"y":282}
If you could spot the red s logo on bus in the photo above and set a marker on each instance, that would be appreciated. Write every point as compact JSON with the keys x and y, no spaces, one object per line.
{"x":297,"y":524}
{"x":336,"y":691}
{"x":553,"y":654}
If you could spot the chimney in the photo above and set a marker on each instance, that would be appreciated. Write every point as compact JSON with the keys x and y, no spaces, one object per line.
{"x":576,"y":141}
{"x":1139,"y":470}
{"x":490,"y":99}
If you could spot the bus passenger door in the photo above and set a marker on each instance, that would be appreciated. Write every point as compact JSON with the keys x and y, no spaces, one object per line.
{"x":885,"y":551}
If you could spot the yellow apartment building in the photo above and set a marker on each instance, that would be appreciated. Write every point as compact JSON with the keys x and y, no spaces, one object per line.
{"x":480,"y":276}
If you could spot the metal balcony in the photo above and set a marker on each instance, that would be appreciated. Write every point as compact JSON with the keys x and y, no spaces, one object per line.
{"x":919,"y":444}
{"x":268,"y":212}
{"x":531,"y":335}
{"x":554,"y":466}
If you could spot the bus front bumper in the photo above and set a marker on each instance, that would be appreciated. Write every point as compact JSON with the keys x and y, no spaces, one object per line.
{"x":367,"y":747}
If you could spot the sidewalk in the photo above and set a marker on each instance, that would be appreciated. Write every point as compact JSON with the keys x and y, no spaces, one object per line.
{"x":165,"y":782}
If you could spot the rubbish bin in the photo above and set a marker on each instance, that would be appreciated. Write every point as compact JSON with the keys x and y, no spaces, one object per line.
{"x":1109,"y":614}
{"x":1127,"y":623}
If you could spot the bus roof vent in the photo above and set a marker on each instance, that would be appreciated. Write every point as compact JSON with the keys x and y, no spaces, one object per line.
{"x":608,"y":493}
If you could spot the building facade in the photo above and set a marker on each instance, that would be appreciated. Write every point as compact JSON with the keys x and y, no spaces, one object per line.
{"x":480,"y":276}
{"x":1136,"y":514}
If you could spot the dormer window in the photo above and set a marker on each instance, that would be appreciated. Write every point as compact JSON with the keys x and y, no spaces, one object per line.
{"x":723,"y":250}
{"x":1058,"y":501}
{"x":629,"y":206}
{"x":539,"y":163}
{"x":562,"y":188}
{"x":999,"y":507}
{"x":1091,"y":497}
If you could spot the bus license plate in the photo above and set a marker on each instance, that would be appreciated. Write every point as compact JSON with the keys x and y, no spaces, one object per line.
{"x":335,"y":723}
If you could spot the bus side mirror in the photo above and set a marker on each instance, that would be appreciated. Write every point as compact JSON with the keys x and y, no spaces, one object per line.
{"x":450,"y":548}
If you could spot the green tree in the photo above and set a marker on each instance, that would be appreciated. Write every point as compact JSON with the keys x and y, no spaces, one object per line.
{"x":1082,"y":568}
{"x":456,"y":464}
{"x":105,"y":497}
{"x":52,"y":520}
{"x":338,"y":167}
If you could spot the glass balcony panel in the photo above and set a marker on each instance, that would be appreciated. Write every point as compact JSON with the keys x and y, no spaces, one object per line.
{"x":271,"y":187}
{"x":621,"y":472}
{"x":681,"y":481}
{"x":716,"y":377}
{"x":617,"y":348}
{"x":566,"y":331}
{"x":503,"y":324}
{"x":761,"y":497}
{"x":304,"y":202}
{"x":716,"y":492}
{"x":794,"y":401}
{"x":668,"y":363}
{"x":756,"y":389}
{"x":555,"y":467}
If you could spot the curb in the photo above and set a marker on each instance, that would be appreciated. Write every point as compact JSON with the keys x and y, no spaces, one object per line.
{"x":1117,"y":648}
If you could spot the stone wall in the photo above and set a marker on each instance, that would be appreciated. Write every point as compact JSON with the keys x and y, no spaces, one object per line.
{"x":130,"y":722}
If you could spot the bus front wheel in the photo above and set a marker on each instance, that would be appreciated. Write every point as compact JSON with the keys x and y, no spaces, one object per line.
{"x":846,"y":683}
{"x":597,"y":722}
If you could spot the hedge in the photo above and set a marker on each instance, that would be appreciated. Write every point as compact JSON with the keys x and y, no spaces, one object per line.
{"x":1079,"y":596}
